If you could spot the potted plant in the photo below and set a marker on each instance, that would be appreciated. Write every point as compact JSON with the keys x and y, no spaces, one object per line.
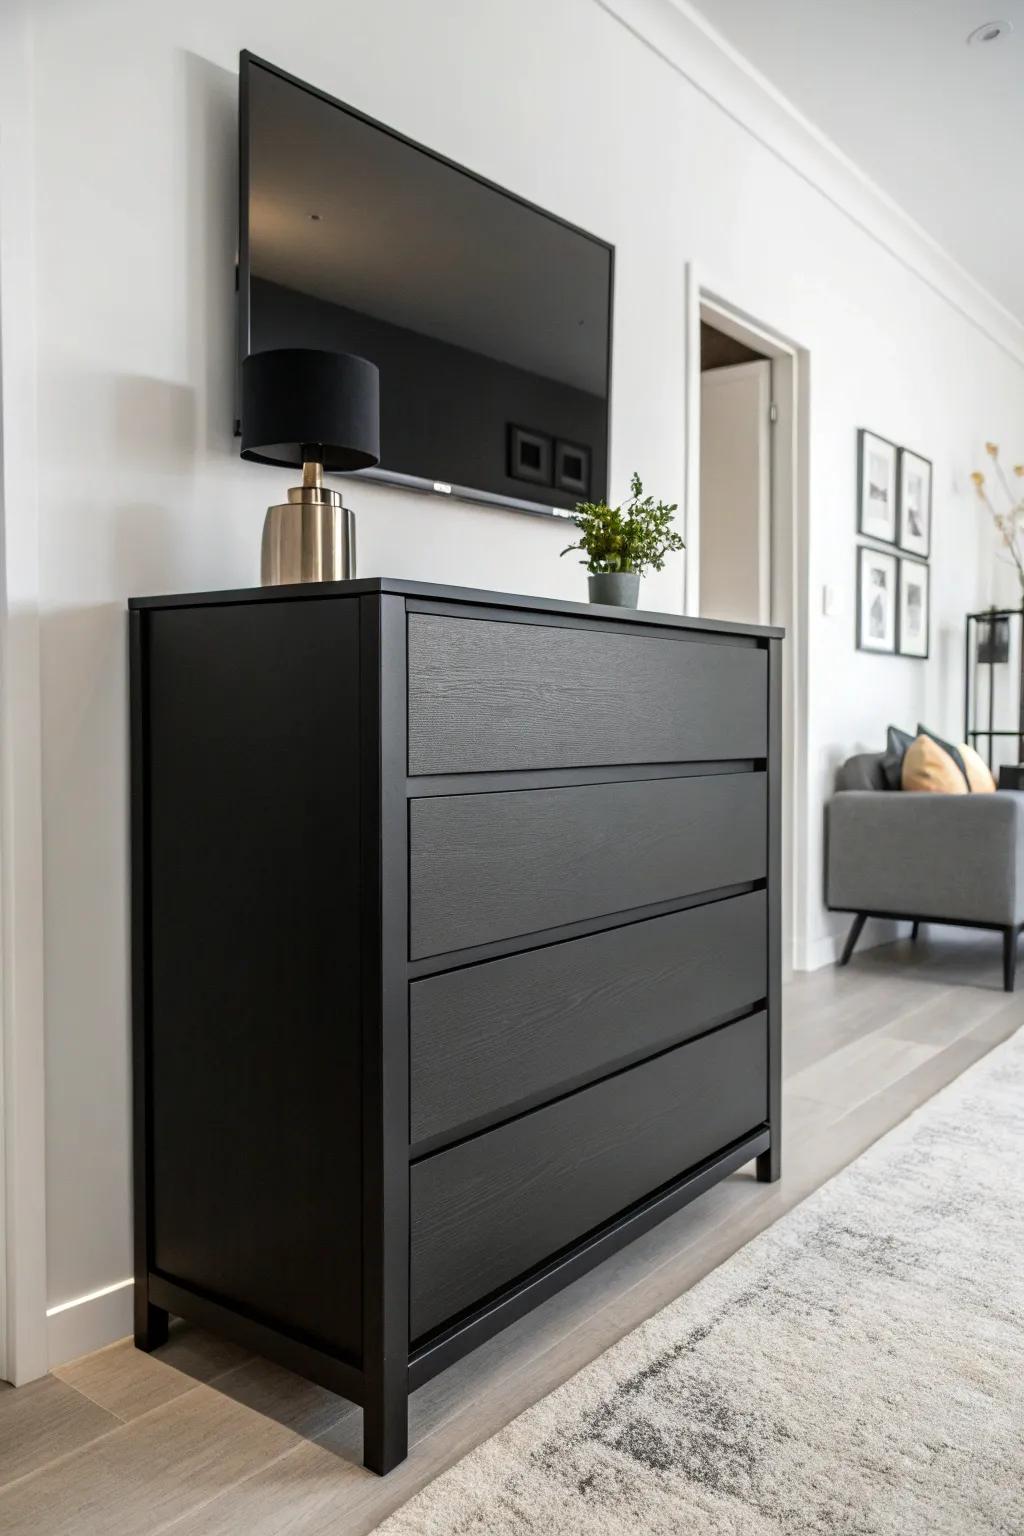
{"x":621,"y":543}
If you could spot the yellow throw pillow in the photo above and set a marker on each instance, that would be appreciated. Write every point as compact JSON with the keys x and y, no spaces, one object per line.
{"x":978,"y":772}
{"x":929,"y":768}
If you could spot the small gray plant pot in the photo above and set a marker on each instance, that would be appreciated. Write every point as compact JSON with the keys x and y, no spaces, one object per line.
{"x":620,"y":589}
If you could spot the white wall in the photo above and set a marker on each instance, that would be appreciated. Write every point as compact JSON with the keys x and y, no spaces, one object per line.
{"x":141,"y":490}
{"x":22,"y":1066}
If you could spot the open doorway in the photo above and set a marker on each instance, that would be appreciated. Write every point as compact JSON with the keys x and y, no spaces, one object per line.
{"x":747,"y":473}
{"x":735,"y":479}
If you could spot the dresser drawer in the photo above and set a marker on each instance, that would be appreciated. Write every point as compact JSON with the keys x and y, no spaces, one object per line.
{"x":489,"y":1038}
{"x":485,"y":695}
{"x":490,"y":866}
{"x":488,"y":1210}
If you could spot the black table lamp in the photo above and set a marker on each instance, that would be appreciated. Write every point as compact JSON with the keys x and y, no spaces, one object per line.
{"x":320,"y":410}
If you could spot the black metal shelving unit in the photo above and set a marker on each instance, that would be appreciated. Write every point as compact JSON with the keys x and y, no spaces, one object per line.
{"x":984,"y":653}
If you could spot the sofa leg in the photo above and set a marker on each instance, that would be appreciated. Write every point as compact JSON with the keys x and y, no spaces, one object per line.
{"x":852,"y":937}
{"x":914,"y":930}
{"x":1009,"y":958}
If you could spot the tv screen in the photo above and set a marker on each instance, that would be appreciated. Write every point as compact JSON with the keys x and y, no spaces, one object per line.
{"x":490,"y":320}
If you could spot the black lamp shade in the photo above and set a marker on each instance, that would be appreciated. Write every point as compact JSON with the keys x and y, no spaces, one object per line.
{"x":295,"y":398}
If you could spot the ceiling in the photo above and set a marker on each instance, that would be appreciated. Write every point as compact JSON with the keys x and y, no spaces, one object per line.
{"x":938,"y":125}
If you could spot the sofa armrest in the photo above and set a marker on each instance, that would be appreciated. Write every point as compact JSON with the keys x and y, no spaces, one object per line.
{"x":959,"y":857}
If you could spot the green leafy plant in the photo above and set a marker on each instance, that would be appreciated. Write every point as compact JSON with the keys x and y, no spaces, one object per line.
{"x":635,"y":537}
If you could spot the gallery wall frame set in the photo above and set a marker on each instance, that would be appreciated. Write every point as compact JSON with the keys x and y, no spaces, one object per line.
{"x":894,"y":494}
{"x":893,"y":603}
{"x":894,"y":508}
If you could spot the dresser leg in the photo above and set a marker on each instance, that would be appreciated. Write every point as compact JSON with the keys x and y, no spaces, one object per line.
{"x":769,"y":1164}
{"x":385,"y":1433}
{"x":150,"y":1324}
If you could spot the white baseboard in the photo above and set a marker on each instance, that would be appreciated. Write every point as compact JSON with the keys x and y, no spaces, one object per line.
{"x":827,"y":947}
{"x":89,"y":1322}
{"x":820,"y":952}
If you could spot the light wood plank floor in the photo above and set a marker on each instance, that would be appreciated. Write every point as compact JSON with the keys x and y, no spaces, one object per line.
{"x":205,"y":1440}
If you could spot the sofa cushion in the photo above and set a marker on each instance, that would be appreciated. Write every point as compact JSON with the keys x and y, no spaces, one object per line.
{"x":896,"y":744}
{"x":947,"y":746}
{"x":979,"y":774}
{"x":864,"y":771}
{"x":928,"y":768}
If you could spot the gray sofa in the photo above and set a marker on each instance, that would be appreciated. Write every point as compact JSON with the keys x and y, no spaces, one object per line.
{"x":955,"y":859}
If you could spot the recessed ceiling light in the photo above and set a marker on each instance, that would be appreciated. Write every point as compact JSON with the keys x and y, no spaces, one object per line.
{"x":989,"y":32}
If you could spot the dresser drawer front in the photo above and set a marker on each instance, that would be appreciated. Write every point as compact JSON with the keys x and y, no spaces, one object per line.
{"x":485,"y":696}
{"x":492,"y":866}
{"x":487,"y":1211}
{"x":488,"y":1039}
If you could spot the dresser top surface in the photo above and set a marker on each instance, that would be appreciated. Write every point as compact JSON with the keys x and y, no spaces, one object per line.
{"x":432,"y":592}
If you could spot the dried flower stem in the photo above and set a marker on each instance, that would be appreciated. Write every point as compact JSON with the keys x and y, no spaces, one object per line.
{"x":1009,"y":523}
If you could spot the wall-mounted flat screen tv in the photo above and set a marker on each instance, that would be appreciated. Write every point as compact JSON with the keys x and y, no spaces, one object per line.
{"x":489,"y":319}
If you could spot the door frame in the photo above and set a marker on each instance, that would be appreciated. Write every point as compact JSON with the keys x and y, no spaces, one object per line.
{"x":789,"y":559}
{"x":23,"y":1324}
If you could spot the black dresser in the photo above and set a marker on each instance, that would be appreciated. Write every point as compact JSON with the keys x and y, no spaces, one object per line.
{"x":455,"y":959}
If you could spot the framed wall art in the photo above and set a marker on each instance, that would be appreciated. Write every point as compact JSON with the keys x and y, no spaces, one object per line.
{"x":877,"y":465}
{"x":876,"y":600}
{"x":914,"y":604}
{"x":915,"y":504}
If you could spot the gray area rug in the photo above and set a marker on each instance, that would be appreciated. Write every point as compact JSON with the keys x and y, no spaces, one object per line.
{"x":857,"y":1369}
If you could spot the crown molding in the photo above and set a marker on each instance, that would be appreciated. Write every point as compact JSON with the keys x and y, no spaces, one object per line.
{"x":683,"y":38}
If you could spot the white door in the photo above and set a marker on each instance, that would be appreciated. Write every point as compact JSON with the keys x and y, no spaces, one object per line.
{"x":735,"y":493}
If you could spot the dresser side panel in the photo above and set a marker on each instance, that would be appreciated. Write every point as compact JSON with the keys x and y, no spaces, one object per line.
{"x":252,"y":741}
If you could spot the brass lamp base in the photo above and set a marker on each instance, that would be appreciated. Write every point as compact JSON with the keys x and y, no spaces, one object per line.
{"x":310,"y":537}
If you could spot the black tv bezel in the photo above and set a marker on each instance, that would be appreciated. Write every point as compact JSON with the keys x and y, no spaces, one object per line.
{"x":246,"y":62}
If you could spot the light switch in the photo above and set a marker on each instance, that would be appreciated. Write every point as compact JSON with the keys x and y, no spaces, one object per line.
{"x":830,"y":603}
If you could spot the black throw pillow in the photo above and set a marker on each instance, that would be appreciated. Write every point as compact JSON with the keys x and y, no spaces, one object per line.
{"x":947,"y":746}
{"x":896,"y":744}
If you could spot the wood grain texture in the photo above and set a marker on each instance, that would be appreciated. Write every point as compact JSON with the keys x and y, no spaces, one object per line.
{"x":149,"y":1324}
{"x":445,"y":1347}
{"x":384,"y":1107}
{"x":317,"y":1488}
{"x":489,"y":1209}
{"x":125,"y":1381}
{"x":203,"y":1356}
{"x":769,"y":1164}
{"x":41,"y":1421}
{"x":258,"y":1338}
{"x":425,"y":596}
{"x":486,"y":695}
{"x":486,"y":867}
{"x":175,"y":1458}
{"x":129,"y":1383}
{"x":254,"y":1027}
{"x":489,"y":1038}
{"x":291,"y":1401}
{"x":271,"y":918}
